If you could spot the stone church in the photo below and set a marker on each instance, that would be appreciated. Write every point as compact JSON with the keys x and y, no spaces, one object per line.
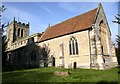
{"x":83,"y":41}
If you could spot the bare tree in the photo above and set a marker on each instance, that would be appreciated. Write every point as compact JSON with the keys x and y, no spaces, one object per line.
{"x":46,"y":54}
{"x":2,"y":26}
{"x":117,"y":19}
{"x":3,"y":37}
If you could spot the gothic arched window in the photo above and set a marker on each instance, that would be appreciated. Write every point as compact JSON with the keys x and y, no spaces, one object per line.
{"x":103,"y":31}
{"x":22,"y":33}
{"x":73,"y":46}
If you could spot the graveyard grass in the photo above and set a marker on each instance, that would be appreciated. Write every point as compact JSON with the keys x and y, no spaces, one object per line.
{"x":46,"y":75}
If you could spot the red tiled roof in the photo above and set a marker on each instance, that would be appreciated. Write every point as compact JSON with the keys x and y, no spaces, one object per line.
{"x":80,"y":22}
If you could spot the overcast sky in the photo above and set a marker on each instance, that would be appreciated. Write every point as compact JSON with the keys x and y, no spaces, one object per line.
{"x":40,"y":14}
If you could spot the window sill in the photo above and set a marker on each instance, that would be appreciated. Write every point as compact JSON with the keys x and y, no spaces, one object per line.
{"x":74,"y":56}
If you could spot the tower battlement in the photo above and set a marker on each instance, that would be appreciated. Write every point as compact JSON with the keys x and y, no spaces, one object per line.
{"x":20,"y":24}
{"x":17,"y":30}
{"x":23,"y":24}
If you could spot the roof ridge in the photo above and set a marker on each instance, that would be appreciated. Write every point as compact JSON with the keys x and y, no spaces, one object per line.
{"x":74,"y":24}
{"x":73,"y":17}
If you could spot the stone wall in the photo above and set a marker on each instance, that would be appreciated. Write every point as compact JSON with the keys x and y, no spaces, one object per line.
{"x":83,"y":57}
{"x":23,"y":56}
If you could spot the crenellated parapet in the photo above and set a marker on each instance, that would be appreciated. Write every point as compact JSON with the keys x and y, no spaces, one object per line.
{"x":23,"y":24}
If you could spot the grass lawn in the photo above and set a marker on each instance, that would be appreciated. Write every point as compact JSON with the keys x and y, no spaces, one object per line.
{"x":46,"y":75}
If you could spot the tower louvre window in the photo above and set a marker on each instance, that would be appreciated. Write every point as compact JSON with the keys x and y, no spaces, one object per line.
{"x":18,"y":32}
{"x":22,"y":33}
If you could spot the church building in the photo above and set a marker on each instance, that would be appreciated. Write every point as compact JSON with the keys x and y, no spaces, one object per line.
{"x":83,"y":41}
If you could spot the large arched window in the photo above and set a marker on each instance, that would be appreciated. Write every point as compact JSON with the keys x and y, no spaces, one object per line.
{"x":22,"y":33}
{"x":73,"y":46}
{"x":18,"y":32}
{"x":103,"y":32}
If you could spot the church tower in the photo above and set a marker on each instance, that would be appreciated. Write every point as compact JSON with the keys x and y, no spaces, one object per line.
{"x":16,"y":31}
